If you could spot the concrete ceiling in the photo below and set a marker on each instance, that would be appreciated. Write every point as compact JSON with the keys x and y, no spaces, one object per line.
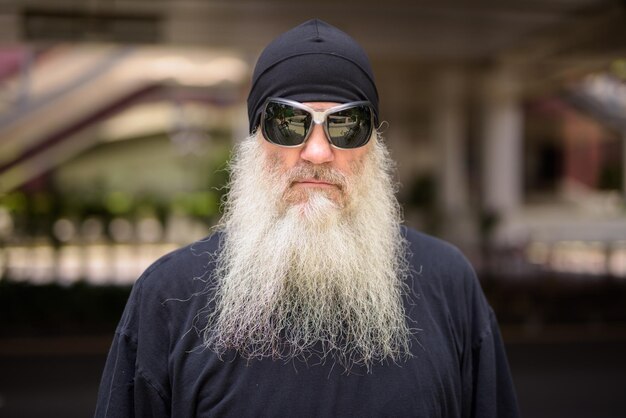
{"x":396,"y":29}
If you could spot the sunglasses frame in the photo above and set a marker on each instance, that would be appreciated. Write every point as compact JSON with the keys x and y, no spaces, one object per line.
{"x":319,"y":118}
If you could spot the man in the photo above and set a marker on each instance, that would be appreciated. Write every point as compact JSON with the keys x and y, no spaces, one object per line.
{"x":310,"y":299}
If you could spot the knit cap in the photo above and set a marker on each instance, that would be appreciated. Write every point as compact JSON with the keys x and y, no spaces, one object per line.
{"x":313,"y":62}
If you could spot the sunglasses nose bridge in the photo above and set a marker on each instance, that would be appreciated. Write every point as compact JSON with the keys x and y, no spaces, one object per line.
{"x":318,"y":117}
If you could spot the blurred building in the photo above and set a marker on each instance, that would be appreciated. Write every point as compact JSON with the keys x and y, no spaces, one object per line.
{"x":506,"y":119}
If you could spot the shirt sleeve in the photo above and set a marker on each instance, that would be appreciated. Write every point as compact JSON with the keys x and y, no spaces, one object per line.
{"x":493,"y":391}
{"x":127,"y":388}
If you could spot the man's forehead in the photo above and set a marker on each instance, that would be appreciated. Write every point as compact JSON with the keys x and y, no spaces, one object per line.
{"x":319,"y":106}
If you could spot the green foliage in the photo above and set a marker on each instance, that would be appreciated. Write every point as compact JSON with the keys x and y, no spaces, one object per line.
{"x":15,"y":202}
{"x":611,"y":177}
{"x":118,"y":203}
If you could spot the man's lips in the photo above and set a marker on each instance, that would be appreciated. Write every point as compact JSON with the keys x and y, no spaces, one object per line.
{"x":313,"y":183}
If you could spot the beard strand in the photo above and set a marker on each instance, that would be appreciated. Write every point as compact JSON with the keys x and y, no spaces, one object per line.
{"x":310,"y":274}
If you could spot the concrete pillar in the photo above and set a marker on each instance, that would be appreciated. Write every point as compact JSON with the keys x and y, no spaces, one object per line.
{"x":502,"y":155}
{"x":449,"y":127}
{"x":624,"y":164}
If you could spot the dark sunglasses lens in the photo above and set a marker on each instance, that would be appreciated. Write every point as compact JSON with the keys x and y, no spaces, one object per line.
{"x":350,"y":128}
{"x":284,"y":124}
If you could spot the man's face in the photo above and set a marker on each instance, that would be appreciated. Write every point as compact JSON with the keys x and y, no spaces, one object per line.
{"x":317,"y":152}
{"x":312,"y":262}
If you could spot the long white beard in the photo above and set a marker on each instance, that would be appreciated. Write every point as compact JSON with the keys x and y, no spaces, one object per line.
{"x":310,"y":273}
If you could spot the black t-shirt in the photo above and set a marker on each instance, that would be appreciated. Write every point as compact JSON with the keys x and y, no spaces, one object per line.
{"x":458,"y":366}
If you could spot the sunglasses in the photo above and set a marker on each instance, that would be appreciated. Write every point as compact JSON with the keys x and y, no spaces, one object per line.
{"x":288,"y":123}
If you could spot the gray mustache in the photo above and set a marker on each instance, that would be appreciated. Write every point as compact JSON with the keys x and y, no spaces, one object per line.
{"x":320,"y":173}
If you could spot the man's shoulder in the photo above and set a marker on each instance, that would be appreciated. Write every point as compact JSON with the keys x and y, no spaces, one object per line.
{"x":441,"y":267}
{"x":193,"y":261}
{"x":427,"y":247}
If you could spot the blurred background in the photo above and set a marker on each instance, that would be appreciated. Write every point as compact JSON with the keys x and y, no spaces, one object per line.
{"x":507,"y":120}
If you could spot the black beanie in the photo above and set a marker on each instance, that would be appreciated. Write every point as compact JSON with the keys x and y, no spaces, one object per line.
{"x":313,"y":62}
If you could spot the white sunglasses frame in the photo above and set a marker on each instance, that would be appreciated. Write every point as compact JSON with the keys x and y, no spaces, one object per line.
{"x":319,"y":118}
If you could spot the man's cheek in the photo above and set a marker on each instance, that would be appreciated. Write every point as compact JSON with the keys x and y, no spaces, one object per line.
{"x":272,"y":161}
{"x":358,"y":164}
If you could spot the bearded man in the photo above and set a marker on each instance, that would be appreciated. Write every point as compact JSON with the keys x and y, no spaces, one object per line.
{"x":310,"y":299}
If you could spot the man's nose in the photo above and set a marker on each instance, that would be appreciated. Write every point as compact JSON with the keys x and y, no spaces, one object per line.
{"x":317,"y":149}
